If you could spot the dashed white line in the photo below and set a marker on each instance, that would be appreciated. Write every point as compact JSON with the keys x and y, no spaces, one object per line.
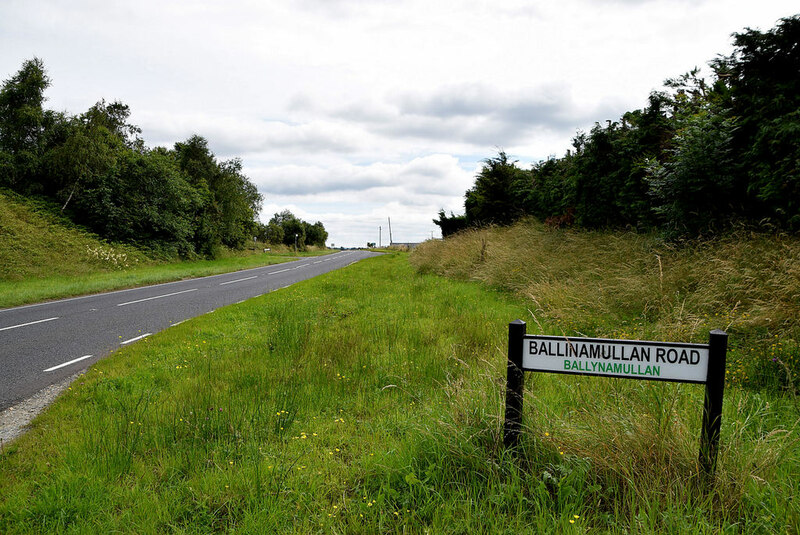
{"x":238,"y":280}
{"x":156,"y":297}
{"x":135,"y":339}
{"x":26,"y":324}
{"x":68,"y":363}
{"x":281,"y":271}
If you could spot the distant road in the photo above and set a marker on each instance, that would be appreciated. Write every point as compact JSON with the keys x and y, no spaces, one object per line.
{"x":43,"y":344}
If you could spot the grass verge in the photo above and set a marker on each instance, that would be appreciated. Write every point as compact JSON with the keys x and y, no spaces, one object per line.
{"x":14,"y":293}
{"x":369,"y":400}
{"x":45,"y":256}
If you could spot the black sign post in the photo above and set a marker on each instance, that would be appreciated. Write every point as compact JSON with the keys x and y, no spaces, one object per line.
{"x":712,"y":407}
{"x":629,"y":359}
{"x":515,"y":383}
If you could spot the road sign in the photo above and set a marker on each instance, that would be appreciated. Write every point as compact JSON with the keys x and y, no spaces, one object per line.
{"x":629,"y":359}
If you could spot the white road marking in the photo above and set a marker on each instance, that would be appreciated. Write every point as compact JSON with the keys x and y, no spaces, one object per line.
{"x":68,"y":363}
{"x":26,"y":324}
{"x":135,"y":339}
{"x":318,"y":262}
{"x":156,"y":297}
{"x":281,"y":271}
{"x":304,"y":265}
{"x":238,"y":280}
{"x":174,"y":324}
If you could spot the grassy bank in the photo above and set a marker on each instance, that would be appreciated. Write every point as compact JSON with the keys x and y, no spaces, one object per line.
{"x":627,"y":285}
{"x":13,"y":293}
{"x":44,"y":256}
{"x":370,"y":400}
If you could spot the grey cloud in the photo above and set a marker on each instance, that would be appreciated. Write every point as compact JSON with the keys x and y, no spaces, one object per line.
{"x":476,"y":114}
{"x":545,"y":106}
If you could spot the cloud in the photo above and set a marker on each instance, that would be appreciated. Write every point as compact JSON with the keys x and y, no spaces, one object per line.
{"x":478,"y":114}
{"x":243,"y":135}
{"x":415,"y":181}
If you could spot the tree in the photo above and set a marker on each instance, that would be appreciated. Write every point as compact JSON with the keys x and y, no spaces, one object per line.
{"x":694,"y":189}
{"x":88,"y":152}
{"x":450,"y":225}
{"x":315,"y":234}
{"x":22,"y":122}
{"x":762,"y":90}
{"x":293,"y":228}
{"x":237,"y":203}
{"x":498,"y":194}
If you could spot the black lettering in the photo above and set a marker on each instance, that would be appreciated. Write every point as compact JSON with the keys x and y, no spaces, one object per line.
{"x":672,"y":356}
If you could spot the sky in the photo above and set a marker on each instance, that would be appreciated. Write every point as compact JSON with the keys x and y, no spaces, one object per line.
{"x":352,"y":112}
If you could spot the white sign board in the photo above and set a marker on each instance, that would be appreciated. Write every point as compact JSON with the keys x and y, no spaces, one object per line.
{"x":631,"y":359}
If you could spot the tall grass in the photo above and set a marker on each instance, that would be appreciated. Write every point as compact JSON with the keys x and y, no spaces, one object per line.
{"x":370,"y":400}
{"x":628,"y":285}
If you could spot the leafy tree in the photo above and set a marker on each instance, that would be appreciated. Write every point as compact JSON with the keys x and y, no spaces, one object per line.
{"x":229,"y":201}
{"x":145,"y":199}
{"x":762,"y":91}
{"x":22,"y":123}
{"x":498,"y":194}
{"x":694,"y":189}
{"x":450,"y":225}
{"x":271,"y":233}
{"x":315,"y":234}
{"x":293,"y":228}
{"x":87,"y":152}
{"x":236,"y":202}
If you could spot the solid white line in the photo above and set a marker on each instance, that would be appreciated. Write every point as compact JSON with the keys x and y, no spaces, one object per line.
{"x":238,"y":280}
{"x":68,"y":363}
{"x":135,"y":339}
{"x":174,"y":324}
{"x":26,"y":324}
{"x":156,"y":297}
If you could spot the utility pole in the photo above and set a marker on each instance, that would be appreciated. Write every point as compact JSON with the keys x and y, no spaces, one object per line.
{"x":391,"y":241}
{"x":379,"y":236}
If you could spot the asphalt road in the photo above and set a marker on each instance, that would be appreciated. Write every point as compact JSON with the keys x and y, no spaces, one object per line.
{"x":44,"y":343}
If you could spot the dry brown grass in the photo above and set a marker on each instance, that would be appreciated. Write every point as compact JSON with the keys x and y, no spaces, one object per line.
{"x":628,"y":285}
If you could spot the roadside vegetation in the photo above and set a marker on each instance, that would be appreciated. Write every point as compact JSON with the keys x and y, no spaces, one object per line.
{"x":704,"y":156}
{"x":370,"y":400}
{"x":640,"y":286}
{"x":46,"y":256}
{"x":180,"y":202}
